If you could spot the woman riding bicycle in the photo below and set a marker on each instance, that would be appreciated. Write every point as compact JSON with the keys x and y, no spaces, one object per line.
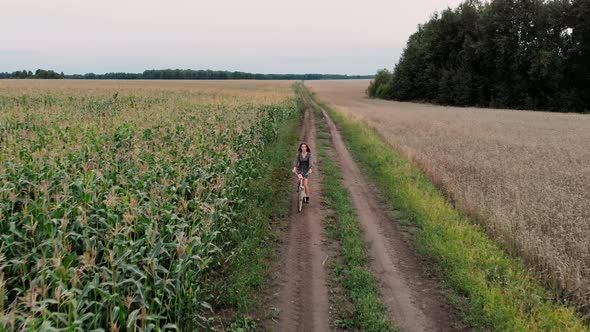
{"x":303,"y":166}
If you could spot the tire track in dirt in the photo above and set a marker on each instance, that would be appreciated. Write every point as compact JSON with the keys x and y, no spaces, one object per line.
{"x":413,"y":299}
{"x":303,"y":296}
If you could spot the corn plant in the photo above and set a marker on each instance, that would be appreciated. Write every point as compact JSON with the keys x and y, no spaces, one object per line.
{"x":117,"y":206}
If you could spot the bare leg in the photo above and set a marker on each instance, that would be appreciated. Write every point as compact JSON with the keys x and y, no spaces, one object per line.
{"x":306,"y":187}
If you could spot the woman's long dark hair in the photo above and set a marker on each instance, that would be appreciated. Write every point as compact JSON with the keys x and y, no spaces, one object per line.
{"x":308,"y":150}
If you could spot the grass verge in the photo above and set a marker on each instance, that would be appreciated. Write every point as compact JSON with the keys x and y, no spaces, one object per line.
{"x":494,"y":290}
{"x":362,"y":307}
{"x":268,"y":200}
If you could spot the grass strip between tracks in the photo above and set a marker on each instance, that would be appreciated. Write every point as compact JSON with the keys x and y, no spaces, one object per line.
{"x":269,"y":198}
{"x":362,"y":308}
{"x":494,"y":290}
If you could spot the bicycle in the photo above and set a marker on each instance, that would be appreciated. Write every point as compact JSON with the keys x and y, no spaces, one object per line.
{"x":301,"y":194}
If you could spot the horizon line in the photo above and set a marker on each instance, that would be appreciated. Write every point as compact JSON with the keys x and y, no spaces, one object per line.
{"x":186,"y":69}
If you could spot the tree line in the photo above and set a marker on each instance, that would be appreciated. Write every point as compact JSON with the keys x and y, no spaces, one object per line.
{"x":521,"y":54}
{"x":184,"y":74}
{"x":39,"y":73}
{"x":189,"y":74}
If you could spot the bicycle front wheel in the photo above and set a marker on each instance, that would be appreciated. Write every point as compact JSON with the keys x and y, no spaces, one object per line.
{"x":300,"y":201}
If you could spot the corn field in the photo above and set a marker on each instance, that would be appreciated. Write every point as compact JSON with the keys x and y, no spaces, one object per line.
{"x":118,"y":200}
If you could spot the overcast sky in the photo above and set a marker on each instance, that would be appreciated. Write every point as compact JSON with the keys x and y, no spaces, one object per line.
{"x":263,"y":36}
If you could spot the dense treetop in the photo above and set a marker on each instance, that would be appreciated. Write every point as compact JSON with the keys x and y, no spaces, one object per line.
{"x":39,"y":73}
{"x":523,"y":54}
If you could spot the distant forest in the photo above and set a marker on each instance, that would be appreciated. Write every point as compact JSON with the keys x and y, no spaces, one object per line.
{"x":179,"y":74}
{"x":521,"y":54}
{"x":39,"y":73}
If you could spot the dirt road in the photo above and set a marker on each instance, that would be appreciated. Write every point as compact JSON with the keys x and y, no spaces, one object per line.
{"x":303,"y":296}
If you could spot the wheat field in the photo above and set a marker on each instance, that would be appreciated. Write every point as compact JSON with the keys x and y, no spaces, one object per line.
{"x":525,"y":176}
